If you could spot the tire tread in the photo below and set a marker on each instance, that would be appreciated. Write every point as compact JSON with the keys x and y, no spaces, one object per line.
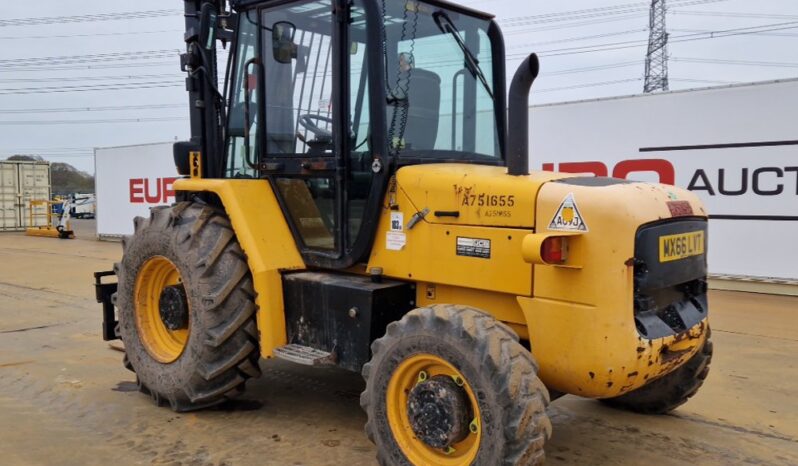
{"x":229,"y":336}
{"x":523,"y":397}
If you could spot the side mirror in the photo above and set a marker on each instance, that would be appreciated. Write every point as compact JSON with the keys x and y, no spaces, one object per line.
{"x":283,"y":45}
{"x":209,"y":20}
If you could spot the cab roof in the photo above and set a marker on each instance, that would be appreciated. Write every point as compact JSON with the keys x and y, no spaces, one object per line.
{"x":244,"y":4}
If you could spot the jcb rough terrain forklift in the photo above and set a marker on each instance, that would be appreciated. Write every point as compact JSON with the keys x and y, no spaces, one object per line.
{"x":358,"y":194}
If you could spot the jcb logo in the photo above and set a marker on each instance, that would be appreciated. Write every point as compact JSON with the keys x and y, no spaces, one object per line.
{"x":663,"y":168}
{"x":157,"y":191}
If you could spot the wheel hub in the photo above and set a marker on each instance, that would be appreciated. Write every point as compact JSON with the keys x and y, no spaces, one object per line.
{"x":173,"y":307}
{"x":438,"y":410}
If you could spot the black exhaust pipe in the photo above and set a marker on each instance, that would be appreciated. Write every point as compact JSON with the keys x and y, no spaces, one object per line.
{"x":518,"y":128}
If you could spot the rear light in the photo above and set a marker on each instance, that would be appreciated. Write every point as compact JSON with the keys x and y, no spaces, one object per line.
{"x":554,"y":250}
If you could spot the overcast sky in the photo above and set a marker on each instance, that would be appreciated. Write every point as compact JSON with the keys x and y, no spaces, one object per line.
{"x":59,"y":107}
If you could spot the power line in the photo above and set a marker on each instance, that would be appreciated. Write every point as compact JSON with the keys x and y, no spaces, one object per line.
{"x":88,"y":18}
{"x":681,"y":38}
{"x":563,"y":19}
{"x":571,"y":13}
{"x":599,"y":11}
{"x":572,"y":25}
{"x":595,"y":84}
{"x":635,"y":14}
{"x":47,"y":156}
{"x":28,"y":149}
{"x":704,"y":81}
{"x":52,"y":152}
{"x":729,"y":14}
{"x":717,"y":61}
{"x":124,"y":78}
{"x":90,"y":109}
{"x":102,"y":57}
{"x":764,"y":34}
{"x":44,"y":152}
{"x":90,"y":122}
{"x":738,"y":31}
{"x":591,"y":13}
{"x":578,"y":39}
{"x":95,"y":87}
{"x":87,"y":67}
{"x":587,"y":69}
{"x":96,"y":34}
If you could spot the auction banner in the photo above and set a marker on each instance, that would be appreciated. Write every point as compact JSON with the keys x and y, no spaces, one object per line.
{"x":735,"y":147}
{"x":129,"y":181}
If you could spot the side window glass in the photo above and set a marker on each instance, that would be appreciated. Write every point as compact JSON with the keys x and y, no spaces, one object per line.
{"x":360,"y":174}
{"x":297,"y":61}
{"x":439,"y":83}
{"x":298,"y":65}
{"x":244,"y":98}
{"x":311,"y":205}
{"x":487,"y":137}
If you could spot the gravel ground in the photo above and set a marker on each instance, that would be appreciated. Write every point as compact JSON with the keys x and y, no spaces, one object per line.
{"x":65,"y":398}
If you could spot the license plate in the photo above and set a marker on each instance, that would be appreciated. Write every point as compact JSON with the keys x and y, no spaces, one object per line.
{"x":680,"y":246}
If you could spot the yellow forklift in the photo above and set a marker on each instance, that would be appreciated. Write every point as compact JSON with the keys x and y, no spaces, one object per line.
{"x":358,"y":194}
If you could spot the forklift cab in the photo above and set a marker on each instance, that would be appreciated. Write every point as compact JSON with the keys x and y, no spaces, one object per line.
{"x":327,"y":99}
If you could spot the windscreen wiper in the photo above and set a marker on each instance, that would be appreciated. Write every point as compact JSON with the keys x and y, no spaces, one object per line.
{"x":446,"y":25}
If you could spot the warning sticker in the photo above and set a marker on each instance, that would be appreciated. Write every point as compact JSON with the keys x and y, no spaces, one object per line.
{"x":568,"y":217}
{"x":473,"y":247}
{"x":395,"y":241}
{"x":397,"y":221}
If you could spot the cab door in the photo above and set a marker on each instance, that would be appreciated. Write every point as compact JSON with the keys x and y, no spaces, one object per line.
{"x":301,"y":117}
{"x":300,"y":141}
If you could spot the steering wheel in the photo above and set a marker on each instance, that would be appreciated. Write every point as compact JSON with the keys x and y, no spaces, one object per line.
{"x":308,"y":122}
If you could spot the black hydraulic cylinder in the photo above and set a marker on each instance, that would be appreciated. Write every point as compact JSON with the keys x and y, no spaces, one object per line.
{"x":518,"y":128}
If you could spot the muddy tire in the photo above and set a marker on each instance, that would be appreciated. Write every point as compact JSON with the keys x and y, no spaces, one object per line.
{"x":219,"y":349}
{"x":498,"y":373}
{"x":671,"y":391}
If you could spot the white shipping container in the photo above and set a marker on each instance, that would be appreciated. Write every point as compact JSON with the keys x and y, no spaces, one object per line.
{"x":21,"y":182}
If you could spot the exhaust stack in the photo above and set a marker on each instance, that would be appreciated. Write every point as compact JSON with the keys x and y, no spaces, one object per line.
{"x":518,"y":130}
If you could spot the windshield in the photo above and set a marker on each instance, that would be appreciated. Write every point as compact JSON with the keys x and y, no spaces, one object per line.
{"x":440,"y":83}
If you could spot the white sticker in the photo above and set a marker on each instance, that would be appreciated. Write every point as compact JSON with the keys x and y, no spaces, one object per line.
{"x":568,"y":217}
{"x":397,"y":221}
{"x":473,"y":247}
{"x":395,"y":241}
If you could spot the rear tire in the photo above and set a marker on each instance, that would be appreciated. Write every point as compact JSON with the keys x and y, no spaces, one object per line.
{"x":221,"y":349}
{"x":509,"y":400}
{"x":671,"y":391}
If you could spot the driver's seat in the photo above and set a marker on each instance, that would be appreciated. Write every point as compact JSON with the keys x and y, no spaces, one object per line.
{"x":423,"y":110}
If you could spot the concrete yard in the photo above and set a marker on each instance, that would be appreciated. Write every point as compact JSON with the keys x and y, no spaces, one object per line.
{"x":65,"y":398}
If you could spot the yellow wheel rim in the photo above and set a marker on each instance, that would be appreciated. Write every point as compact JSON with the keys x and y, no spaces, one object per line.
{"x":410,"y":372}
{"x":161,"y":343}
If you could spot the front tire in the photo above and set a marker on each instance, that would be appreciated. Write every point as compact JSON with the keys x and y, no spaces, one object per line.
{"x":186,"y":307}
{"x":418,"y":415}
{"x":670,"y":391}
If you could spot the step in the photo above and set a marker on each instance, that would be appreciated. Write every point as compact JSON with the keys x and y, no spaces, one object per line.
{"x":304,"y":355}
